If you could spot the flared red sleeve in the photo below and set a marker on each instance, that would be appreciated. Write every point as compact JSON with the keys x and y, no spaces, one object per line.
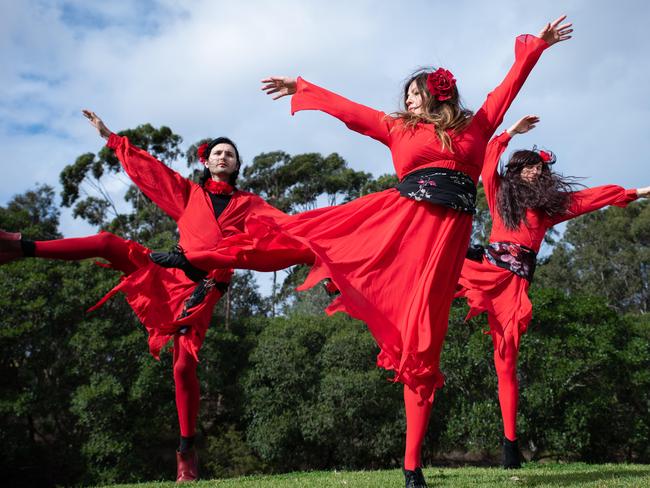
{"x":490,"y":172}
{"x":592,"y":199}
{"x":162,"y":185}
{"x":359,"y":118}
{"x":528,"y":49}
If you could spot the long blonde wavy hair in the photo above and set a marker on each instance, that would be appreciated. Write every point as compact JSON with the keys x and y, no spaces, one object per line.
{"x":444,"y":115}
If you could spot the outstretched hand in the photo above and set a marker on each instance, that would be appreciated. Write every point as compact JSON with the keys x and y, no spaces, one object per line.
{"x":279,"y":86}
{"x":554,"y":32}
{"x":97,"y":123}
{"x":643,"y":192}
{"x":523,"y":125}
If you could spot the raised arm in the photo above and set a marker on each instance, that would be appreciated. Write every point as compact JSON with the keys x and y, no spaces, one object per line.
{"x":528,"y":49}
{"x":164,"y":186}
{"x":307,"y":96}
{"x":490,"y":172}
{"x":493,"y":153}
{"x":595,"y":198}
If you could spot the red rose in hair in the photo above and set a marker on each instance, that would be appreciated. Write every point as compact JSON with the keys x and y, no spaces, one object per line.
{"x":201,"y":152}
{"x":546,"y":156}
{"x":441,"y":84}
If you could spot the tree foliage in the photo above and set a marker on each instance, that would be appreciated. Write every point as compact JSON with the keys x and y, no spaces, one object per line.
{"x":82,"y":402}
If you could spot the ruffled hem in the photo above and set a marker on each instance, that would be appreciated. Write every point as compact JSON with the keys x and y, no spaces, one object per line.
{"x":268,"y":236}
{"x":504,"y":297}
{"x":143,"y":289}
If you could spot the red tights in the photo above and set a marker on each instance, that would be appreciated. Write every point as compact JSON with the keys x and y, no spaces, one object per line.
{"x":103,"y":245}
{"x":187,"y":389}
{"x":506,"y":368}
{"x":417,"y":420}
{"x":116,"y":250}
{"x":264,"y":262}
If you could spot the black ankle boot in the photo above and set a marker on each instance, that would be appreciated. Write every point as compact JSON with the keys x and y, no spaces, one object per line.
{"x":176,"y":259}
{"x":415,"y":478}
{"x":511,"y":454}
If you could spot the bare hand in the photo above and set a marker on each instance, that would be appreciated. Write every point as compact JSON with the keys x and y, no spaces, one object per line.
{"x":97,"y":123}
{"x":643,"y":192}
{"x":523,"y":125}
{"x":554,"y":32}
{"x":279,"y":86}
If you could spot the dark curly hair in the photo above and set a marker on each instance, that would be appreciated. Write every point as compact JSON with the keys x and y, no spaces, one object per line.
{"x":549,"y":193}
{"x":232,"y":179}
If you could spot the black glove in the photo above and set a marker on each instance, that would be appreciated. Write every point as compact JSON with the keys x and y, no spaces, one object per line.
{"x":176,"y":259}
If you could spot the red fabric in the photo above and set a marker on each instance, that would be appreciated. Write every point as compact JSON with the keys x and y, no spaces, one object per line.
{"x":508,"y":386}
{"x":418,"y":411}
{"x":498,"y":291}
{"x":103,"y":245}
{"x":186,"y":385}
{"x":156,"y":294}
{"x":504,"y":295}
{"x":395,"y":260}
{"x":218,"y":187}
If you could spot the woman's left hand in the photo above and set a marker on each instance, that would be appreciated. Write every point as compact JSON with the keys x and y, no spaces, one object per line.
{"x":523,"y":125}
{"x":97,"y":123}
{"x":553,"y":32}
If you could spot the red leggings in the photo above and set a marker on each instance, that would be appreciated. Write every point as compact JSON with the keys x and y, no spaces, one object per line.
{"x":506,"y":368}
{"x":418,"y":412}
{"x":116,"y":250}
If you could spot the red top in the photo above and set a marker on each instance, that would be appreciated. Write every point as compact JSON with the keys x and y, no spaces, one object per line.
{"x":157,"y":295}
{"x":531,"y":233}
{"x":185,"y":201}
{"x":421,"y":148}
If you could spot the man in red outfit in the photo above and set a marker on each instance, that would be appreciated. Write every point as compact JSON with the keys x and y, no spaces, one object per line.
{"x":205,"y":213}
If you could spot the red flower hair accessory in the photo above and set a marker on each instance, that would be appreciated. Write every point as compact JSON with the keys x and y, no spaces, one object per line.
{"x":201,"y":152}
{"x":441,"y":84}
{"x":546,"y":156}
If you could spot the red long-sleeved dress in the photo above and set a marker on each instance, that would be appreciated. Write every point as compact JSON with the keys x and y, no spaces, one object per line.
{"x":157,"y":295}
{"x":499,"y":292}
{"x":396,"y":261}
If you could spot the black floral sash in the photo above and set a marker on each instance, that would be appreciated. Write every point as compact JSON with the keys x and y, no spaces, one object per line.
{"x":440,"y":186}
{"x":516,"y":258}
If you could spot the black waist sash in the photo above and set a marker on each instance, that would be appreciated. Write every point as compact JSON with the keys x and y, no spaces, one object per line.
{"x":516,"y":258}
{"x":440,"y":186}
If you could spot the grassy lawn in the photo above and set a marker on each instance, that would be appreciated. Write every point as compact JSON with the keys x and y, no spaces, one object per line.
{"x":538,"y":475}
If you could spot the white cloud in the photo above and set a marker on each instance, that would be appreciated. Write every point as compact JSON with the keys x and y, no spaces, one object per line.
{"x":196,"y":66}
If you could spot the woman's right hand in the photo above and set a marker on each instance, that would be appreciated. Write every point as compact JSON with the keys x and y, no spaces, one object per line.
{"x":279,"y":86}
{"x":523,"y":125}
{"x":643,"y":192}
{"x":97,"y":123}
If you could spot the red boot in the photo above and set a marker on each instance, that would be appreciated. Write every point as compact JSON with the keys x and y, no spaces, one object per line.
{"x":187,"y":466}
{"x":10,"y":247}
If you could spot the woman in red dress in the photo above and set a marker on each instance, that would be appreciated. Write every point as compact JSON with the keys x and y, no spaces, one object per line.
{"x":205,"y":214}
{"x":395,"y":256}
{"x":524,"y":203}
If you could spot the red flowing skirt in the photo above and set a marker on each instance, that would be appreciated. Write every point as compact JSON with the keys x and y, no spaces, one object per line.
{"x":396,"y":262}
{"x":500,"y":293}
{"x":157,"y":296}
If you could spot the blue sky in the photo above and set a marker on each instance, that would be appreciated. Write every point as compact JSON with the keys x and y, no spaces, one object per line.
{"x":195,"y":66}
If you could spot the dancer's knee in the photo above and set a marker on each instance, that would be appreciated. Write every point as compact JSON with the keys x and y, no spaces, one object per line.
{"x":184,"y":367}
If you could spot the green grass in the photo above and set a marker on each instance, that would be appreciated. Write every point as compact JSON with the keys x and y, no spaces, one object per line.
{"x":533,"y":474}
